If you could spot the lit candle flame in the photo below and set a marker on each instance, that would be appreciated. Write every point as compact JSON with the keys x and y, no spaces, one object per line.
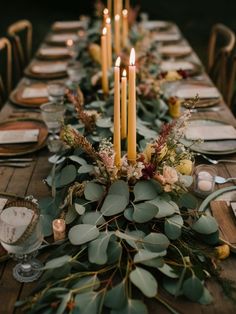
{"x":117,"y":17}
{"x":105,"y":11}
{"x":132,"y":57}
{"x":70,"y":43}
{"x":117,"y":64}
{"x":108,"y":20}
{"x":124,"y":73}
{"x":104,"y":31}
{"x":125,"y":12}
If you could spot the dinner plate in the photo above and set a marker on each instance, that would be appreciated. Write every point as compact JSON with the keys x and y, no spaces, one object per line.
{"x":190,"y":68}
{"x":216,"y":147}
{"x":53,"y":53}
{"x":156,"y":25}
{"x":61,"y":26}
{"x":18,"y":96}
{"x":23,"y":148}
{"x":61,"y":38}
{"x":46,"y":70}
{"x":167,"y":37}
{"x":175,"y":51}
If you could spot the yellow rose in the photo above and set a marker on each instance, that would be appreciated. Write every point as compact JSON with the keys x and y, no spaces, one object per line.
{"x":172,"y":76}
{"x":148,"y":151}
{"x":185,"y":167}
{"x":222,"y":251}
{"x":95,"y":52}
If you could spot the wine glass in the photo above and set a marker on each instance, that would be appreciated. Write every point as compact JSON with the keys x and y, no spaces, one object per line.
{"x":75,"y":72}
{"x":52,"y":115}
{"x":21,"y":236}
{"x":56,"y":92}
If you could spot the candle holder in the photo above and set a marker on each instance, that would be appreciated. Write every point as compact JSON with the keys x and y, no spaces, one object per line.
{"x":204,"y":180}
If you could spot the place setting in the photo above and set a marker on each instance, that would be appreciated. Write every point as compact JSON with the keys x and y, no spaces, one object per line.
{"x":68,"y":26}
{"x":53,"y":53}
{"x":61,"y":38}
{"x":46,"y":70}
{"x":190,"y":68}
{"x":175,"y":51}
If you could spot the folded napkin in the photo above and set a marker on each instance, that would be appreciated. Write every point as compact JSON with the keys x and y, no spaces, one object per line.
{"x":178,"y":65}
{"x":173,"y":49}
{"x":3,"y":202}
{"x":63,"y":37}
{"x":210,"y":132}
{"x":202,"y":92}
{"x":34,"y":92}
{"x":49,"y":68}
{"x":149,"y":25}
{"x":68,"y":24}
{"x":19,"y":136}
{"x":167,"y":37}
{"x":53,"y":51}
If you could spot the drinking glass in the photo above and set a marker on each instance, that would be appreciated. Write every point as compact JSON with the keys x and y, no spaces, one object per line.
{"x":204,"y":180}
{"x":21,"y":236}
{"x":52,"y":115}
{"x":56,"y":92}
{"x":75,"y":72}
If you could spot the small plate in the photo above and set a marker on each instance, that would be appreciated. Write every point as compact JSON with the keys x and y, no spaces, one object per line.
{"x":46,"y":73}
{"x":16,"y":96}
{"x":156,"y":25}
{"x":61,"y":38}
{"x":62,"y":26}
{"x":190,"y":68}
{"x":53,"y":53}
{"x":22,"y":148}
{"x":218,"y":147}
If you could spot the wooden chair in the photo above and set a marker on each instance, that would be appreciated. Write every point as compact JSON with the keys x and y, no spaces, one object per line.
{"x":221,"y":44}
{"x":21,"y":35}
{"x":231,"y":93}
{"x":5,"y":69}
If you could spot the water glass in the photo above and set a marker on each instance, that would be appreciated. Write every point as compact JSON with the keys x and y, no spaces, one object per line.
{"x":75,"y":72}
{"x":204,"y":180}
{"x":56,"y":92}
{"x":52,"y":115}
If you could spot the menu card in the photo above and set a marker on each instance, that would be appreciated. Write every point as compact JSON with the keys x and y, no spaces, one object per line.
{"x":34,"y":92}
{"x":49,"y":68}
{"x":19,"y":136}
{"x":210,"y":132}
{"x":53,"y":51}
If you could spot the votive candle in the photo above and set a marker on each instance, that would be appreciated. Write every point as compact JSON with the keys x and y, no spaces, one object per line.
{"x":59,"y":229}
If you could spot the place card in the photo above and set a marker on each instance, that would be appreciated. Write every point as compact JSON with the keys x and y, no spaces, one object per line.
{"x":3,"y":202}
{"x":53,"y":51}
{"x":49,"y":68}
{"x":19,"y":136}
{"x":175,"y":66}
{"x":34,"y":92}
{"x":63,"y":37}
{"x":202,"y":92}
{"x":210,"y":132}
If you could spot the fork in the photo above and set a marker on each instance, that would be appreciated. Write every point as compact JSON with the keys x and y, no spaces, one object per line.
{"x":215,"y":162}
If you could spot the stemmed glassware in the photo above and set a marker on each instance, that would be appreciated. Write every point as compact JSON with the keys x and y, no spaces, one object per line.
{"x":21,"y":236}
{"x":52,"y":114}
{"x":56,"y":92}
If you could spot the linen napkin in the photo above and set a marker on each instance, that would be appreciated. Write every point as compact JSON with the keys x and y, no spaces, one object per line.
{"x":178,"y":65}
{"x":173,"y":49}
{"x":191,"y":91}
{"x":3,"y":202}
{"x":34,"y":92}
{"x":19,"y":136}
{"x":149,"y":25}
{"x":210,"y":132}
{"x":53,"y":51}
{"x":48,"y":68}
{"x":63,"y":37}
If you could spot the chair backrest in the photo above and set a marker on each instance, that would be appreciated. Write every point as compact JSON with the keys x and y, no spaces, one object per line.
{"x":231,"y":93}
{"x":21,"y":33}
{"x":6,"y":68}
{"x":221,"y":44}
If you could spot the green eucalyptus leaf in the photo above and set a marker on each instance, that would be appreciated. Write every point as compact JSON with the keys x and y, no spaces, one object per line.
{"x":97,"y":104}
{"x":78,"y":160}
{"x":80,"y":209}
{"x":83,"y":233}
{"x":206,"y":297}
{"x":154,"y":263}
{"x":86,"y":284}
{"x":205,"y":225}
{"x":71,"y":215}
{"x":144,"y":255}
{"x":144,"y":191}
{"x":87,"y":303}
{"x":120,"y":187}
{"x":46,"y":225}
{"x":114,"y":204}
{"x":193,"y":288}
{"x":104,"y":123}
{"x":165,"y":206}
{"x":66,"y":176}
{"x":116,"y":298}
{"x":97,"y":249}
{"x":187,"y":200}
{"x":136,"y":240}
{"x":128,"y":213}
{"x":171,"y":286}
{"x":173,"y":227}
{"x":64,"y":300}
{"x":86,"y":168}
{"x":132,"y":307}
{"x":143,"y":212}
{"x":93,"y":191}
{"x":168,"y":271}
{"x":93,"y":218}
{"x":57,"y":262}
{"x":144,"y":281}
{"x":156,"y":242}
{"x":114,"y":252}
{"x":211,"y":239}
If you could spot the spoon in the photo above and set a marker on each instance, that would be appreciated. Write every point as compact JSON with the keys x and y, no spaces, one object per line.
{"x":221,"y":180}
{"x":213,"y":161}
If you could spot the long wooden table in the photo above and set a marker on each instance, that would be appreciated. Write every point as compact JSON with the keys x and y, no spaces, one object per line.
{"x":29,"y":181}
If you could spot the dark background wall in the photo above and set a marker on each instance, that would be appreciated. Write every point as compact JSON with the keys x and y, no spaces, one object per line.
{"x":194,"y":17}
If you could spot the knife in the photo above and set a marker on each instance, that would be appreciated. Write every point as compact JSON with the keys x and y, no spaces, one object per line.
{"x":213,"y":109}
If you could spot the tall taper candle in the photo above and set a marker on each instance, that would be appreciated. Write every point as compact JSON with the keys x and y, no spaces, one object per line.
{"x":105,"y":16}
{"x":109,"y":6}
{"x":105,"y":87}
{"x":132,"y":109}
{"x":109,"y":42}
{"x":117,"y":34}
{"x":124,"y":105}
{"x":116,"y":134}
{"x":125,"y":28}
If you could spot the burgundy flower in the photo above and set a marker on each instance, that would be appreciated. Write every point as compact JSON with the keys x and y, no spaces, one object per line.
{"x":148,"y":171}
